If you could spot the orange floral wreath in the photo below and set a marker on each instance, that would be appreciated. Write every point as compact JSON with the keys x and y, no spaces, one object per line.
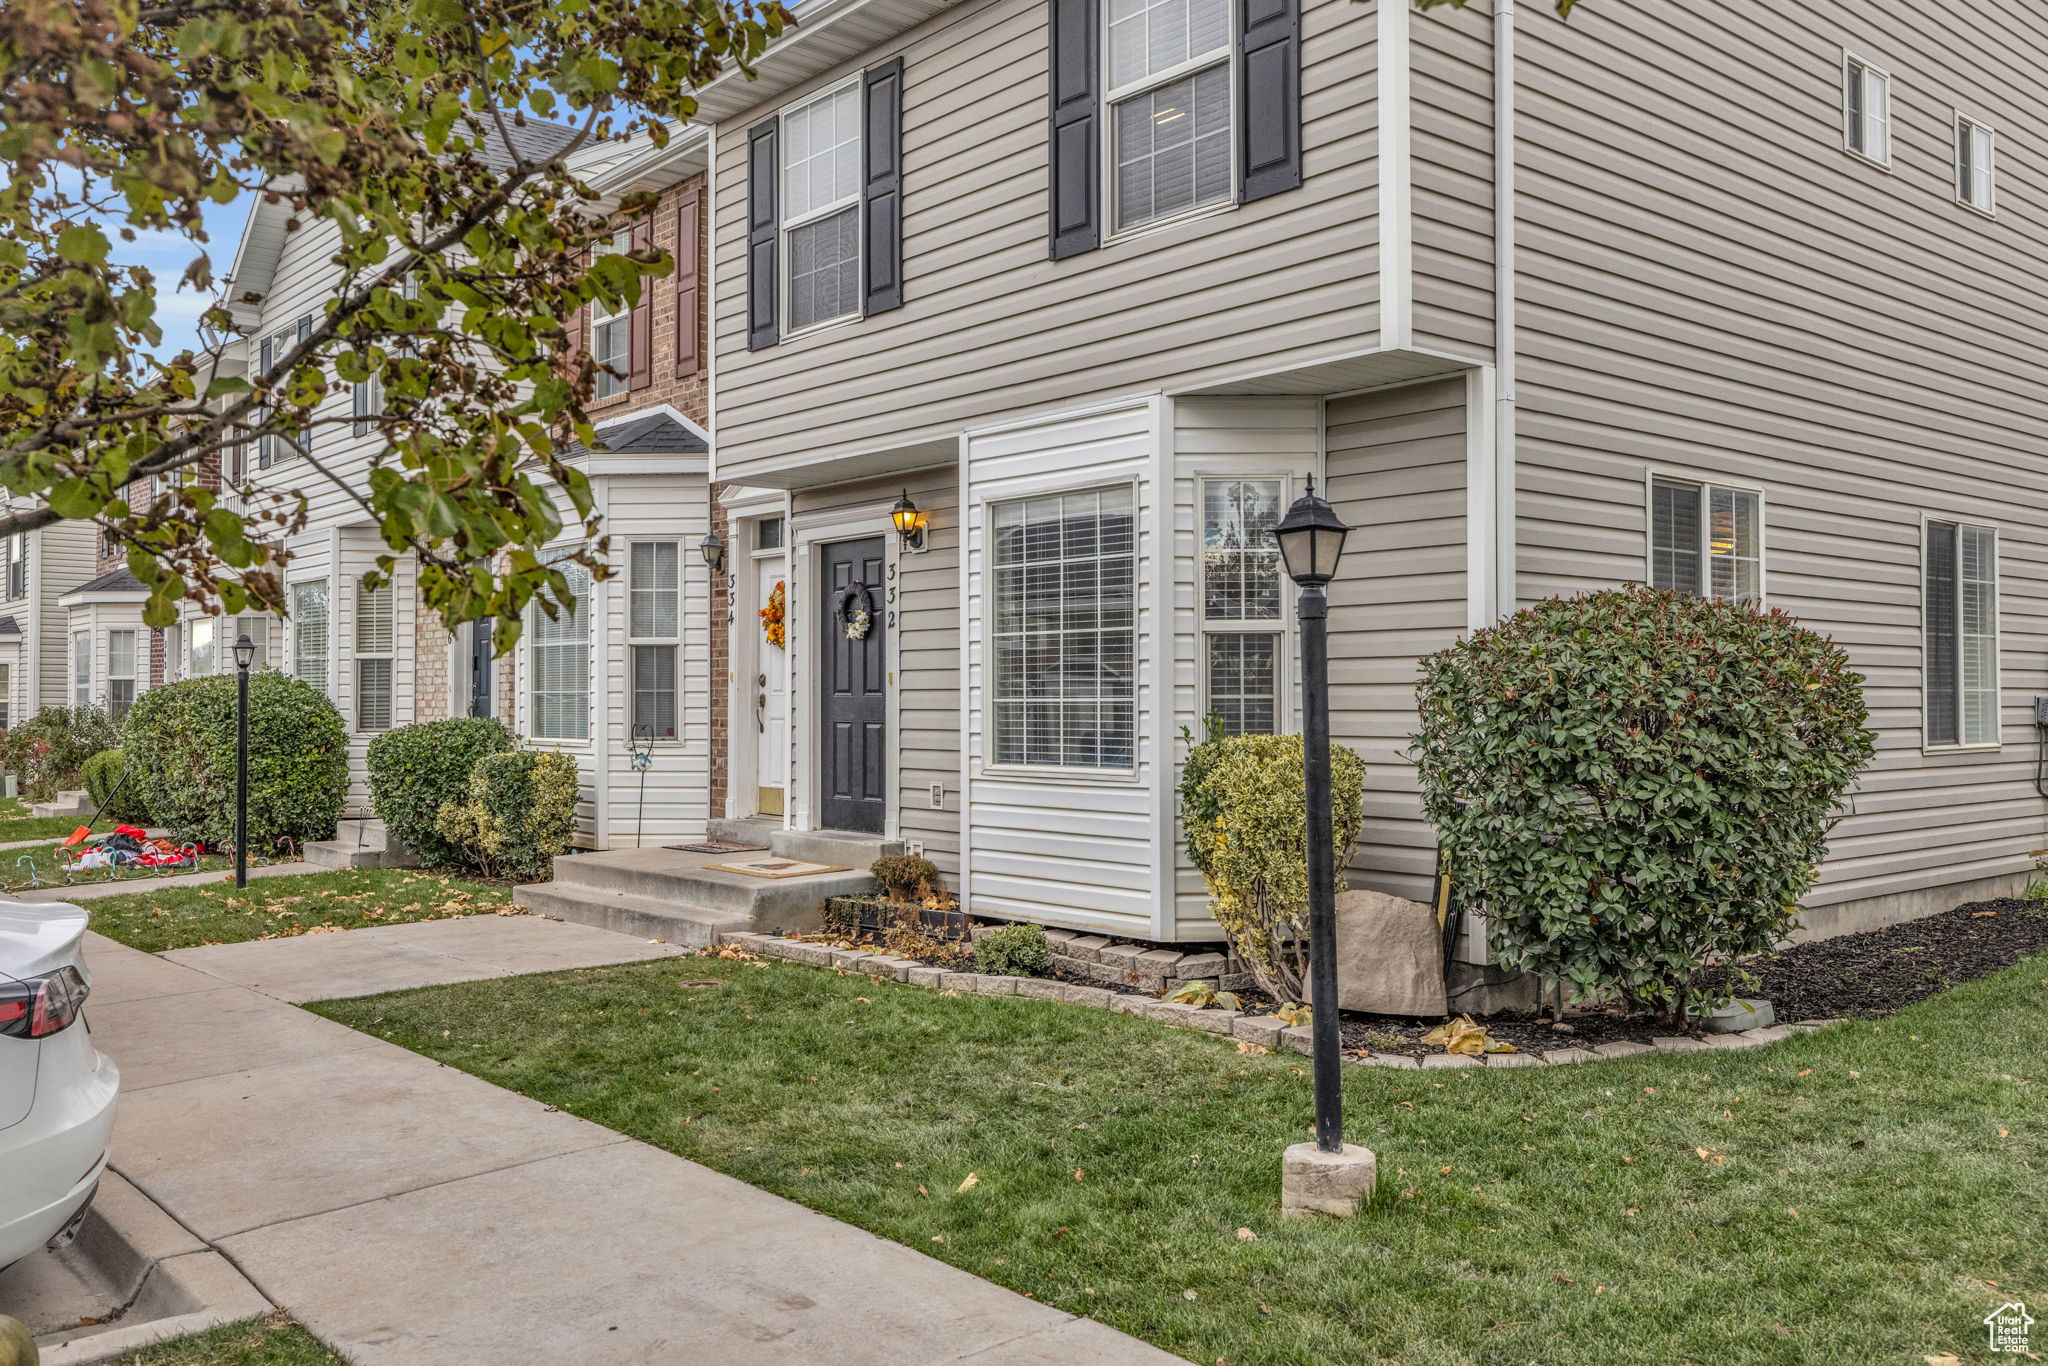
{"x":771,"y":619}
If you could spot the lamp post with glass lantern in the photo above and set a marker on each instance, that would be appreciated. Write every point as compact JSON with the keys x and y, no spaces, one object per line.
{"x":245,"y":655}
{"x":1326,"y":1176}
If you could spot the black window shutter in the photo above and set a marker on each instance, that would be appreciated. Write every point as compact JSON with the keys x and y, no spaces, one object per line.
{"x":1940,"y":655}
{"x":640,"y":340}
{"x":881,"y":189}
{"x":263,"y":409}
{"x":764,"y":290}
{"x":1269,"y":82}
{"x":1073,"y":144}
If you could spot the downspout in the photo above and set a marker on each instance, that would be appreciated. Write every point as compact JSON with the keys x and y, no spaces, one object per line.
{"x":1504,"y":340}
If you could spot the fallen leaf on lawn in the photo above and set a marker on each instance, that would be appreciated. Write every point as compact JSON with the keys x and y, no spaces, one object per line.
{"x":2002,"y":1134}
{"x":1187,"y":1294}
{"x":1466,"y":1037}
{"x":1781,"y":1330}
{"x":938,"y":1237}
{"x":922,"y":1191}
{"x":1561,"y":1278}
{"x":1942,"y":1359}
{"x":1628,"y":1162}
{"x":1649,"y":1090}
{"x":1244,"y":1047}
{"x":1713,"y":1155}
{"x":1855,"y":1074}
{"x":1245,"y":1235}
{"x":969,"y":1184}
{"x":1804,"y":1072}
{"x":1080,"y":1174}
{"x":1792,"y":1210}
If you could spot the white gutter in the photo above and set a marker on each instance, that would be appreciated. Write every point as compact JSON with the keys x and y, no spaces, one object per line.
{"x":1504,"y":336}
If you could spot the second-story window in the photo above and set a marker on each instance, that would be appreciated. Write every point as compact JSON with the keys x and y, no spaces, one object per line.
{"x":272,"y":449}
{"x":611,"y":334}
{"x":1866,"y":110}
{"x":1976,"y":165}
{"x":1169,"y":102}
{"x":16,"y":549}
{"x":821,"y":207}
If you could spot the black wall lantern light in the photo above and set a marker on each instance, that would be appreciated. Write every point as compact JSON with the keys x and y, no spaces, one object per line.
{"x":245,"y":655}
{"x":910,"y":520}
{"x":713,"y":550}
{"x":1326,"y":1177}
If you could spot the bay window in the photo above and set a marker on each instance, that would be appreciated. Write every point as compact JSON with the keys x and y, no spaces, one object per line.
{"x":120,"y":673}
{"x":654,"y":633}
{"x":558,"y":662}
{"x":1064,"y":637}
{"x":1959,"y":629}
{"x":1241,"y":617}
{"x":376,"y":657}
{"x":81,"y":669}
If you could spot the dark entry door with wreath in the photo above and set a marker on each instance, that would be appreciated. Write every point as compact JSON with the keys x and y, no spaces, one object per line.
{"x":853,"y":715}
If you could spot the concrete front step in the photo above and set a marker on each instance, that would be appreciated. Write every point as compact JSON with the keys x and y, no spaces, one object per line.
{"x":690,"y":880}
{"x":643,"y":917}
{"x":361,"y":843}
{"x":66,"y":804}
{"x":843,"y":847}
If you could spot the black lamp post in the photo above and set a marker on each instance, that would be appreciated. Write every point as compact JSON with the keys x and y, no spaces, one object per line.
{"x":245,"y":655}
{"x":1311,"y":539}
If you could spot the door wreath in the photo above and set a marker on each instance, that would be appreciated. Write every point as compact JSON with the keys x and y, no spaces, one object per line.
{"x":857,"y":611}
{"x":772,"y":625}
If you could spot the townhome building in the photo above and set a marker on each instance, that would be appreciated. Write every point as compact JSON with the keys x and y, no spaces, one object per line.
{"x":628,"y":672}
{"x":37,"y":570}
{"x":1030,"y":317}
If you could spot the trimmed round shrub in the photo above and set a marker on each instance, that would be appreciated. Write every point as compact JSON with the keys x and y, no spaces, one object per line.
{"x":180,"y":739}
{"x":47,"y":752}
{"x":906,"y":877}
{"x":102,"y":778}
{"x":1012,"y":951}
{"x":1635,"y":784}
{"x":1244,"y":814}
{"x":520,"y":813}
{"x":417,"y":770}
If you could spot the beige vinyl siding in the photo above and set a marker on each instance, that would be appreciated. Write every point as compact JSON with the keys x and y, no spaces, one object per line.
{"x":1253,"y":437}
{"x":1711,"y":286}
{"x":925,"y":621}
{"x":1396,"y":469}
{"x":1451,"y":60}
{"x":990,"y":326}
{"x":63,"y":558}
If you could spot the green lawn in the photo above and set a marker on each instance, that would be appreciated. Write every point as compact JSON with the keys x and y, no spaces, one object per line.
{"x":1847,"y":1197}
{"x":275,"y":1341}
{"x":15,"y":830}
{"x":50,"y":859}
{"x":272,"y":907}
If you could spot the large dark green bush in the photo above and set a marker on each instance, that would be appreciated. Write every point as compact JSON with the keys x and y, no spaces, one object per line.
{"x":1635,"y":784}
{"x":519,"y":814}
{"x":102,"y":778}
{"x":1244,"y":815}
{"x":180,"y":738}
{"x":47,"y":752}
{"x":417,"y":770}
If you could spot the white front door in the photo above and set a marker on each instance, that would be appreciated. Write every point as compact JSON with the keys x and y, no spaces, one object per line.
{"x":766,"y":694}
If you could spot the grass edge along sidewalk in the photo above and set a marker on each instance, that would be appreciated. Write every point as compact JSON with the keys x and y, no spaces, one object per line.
{"x":1862,"y":1194}
{"x":159,"y":919}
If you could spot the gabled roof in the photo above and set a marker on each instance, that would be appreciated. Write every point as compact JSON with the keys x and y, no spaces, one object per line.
{"x":248,"y":280}
{"x":113,"y":581}
{"x":661,"y":432}
{"x":9,"y":627}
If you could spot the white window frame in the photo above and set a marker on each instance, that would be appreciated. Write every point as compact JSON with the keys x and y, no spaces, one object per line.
{"x":385,"y":598}
{"x":81,"y":668}
{"x":300,"y":636}
{"x":530,"y":642}
{"x":672,"y":643}
{"x":1706,"y":485}
{"x":114,"y":675}
{"x":618,"y":243}
{"x":6,"y":695}
{"x":992,"y":764}
{"x":1960,"y":744}
{"x":784,"y":257}
{"x":1113,"y":96}
{"x":190,"y":641}
{"x":1279,"y":626}
{"x":1858,"y":71}
{"x":1966,"y":171}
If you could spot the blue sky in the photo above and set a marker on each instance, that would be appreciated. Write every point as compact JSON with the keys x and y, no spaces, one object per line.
{"x":168,"y":253}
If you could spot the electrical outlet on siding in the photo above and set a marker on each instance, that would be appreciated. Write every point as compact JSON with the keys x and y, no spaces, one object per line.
{"x":916,"y":848}
{"x":938,"y":796}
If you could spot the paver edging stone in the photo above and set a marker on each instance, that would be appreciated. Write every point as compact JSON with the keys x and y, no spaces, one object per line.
{"x":1259,"y":1030}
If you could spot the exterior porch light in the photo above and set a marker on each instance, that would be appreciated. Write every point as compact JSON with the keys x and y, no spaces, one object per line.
{"x":245,"y":655}
{"x":713,"y":550}
{"x":1326,"y":1176}
{"x":910,"y":522}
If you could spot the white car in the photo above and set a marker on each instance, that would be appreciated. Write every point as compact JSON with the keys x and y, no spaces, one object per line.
{"x":57,"y":1091}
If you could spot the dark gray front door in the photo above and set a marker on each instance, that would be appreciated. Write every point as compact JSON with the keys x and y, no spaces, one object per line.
{"x":853,"y":711}
{"x":482,"y":664}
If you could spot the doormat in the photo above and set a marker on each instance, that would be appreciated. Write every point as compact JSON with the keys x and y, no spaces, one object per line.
{"x":717,"y":847}
{"x":775,"y":867}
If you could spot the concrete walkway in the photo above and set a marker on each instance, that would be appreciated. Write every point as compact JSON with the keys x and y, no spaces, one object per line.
{"x":137,"y":882}
{"x":412,"y":1215}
